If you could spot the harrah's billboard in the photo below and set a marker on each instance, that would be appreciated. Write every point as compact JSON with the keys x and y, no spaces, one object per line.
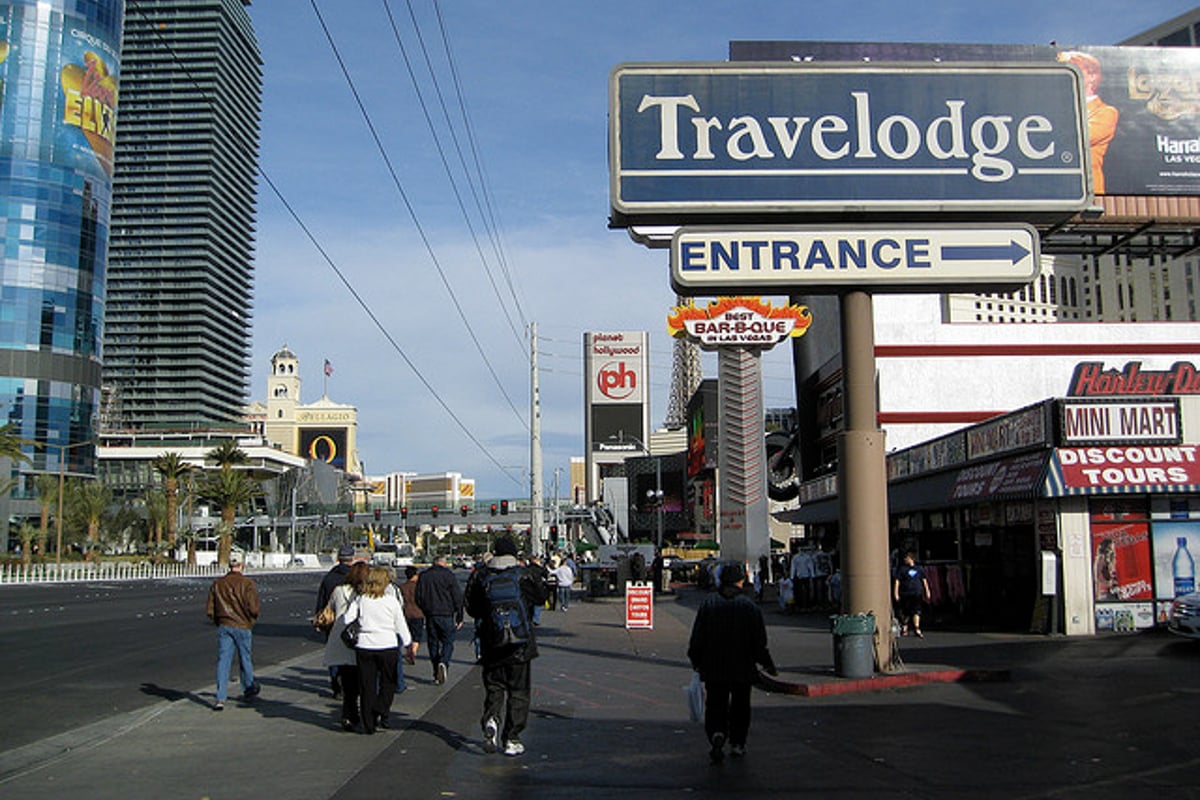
{"x":1143,"y":103}
{"x":691,"y":139}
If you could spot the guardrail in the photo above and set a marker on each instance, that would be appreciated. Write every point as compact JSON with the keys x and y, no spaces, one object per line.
{"x":77,"y":571}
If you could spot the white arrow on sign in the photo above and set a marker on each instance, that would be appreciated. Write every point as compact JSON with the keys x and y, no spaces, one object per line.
{"x":711,"y":261}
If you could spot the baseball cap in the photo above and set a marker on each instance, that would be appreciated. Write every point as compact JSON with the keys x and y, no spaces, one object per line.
{"x":235,"y":558}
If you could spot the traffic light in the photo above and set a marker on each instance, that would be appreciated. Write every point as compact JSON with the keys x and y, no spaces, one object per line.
{"x":494,"y":507}
{"x":503,"y":506}
{"x":377,"y":515}
{"x":349,"y":516}
{"x":403,"y":512}
{"x":434,"y":511}
{"x":553,"y":531}
{"x":463,"y":509}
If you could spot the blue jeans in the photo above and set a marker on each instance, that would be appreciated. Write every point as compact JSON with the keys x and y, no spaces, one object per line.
{"x":440,"y":631}
{"x":229,"y":639}
{"x":564,"y":597}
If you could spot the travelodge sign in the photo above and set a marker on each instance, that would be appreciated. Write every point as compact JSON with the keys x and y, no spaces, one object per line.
{"x":755,"y":138}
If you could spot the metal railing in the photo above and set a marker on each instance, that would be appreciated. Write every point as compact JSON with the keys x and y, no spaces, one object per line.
{"x":77,"y":571}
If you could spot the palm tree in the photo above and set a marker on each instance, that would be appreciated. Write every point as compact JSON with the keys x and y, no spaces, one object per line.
{"x":171,"y":467}
{"x":89,"y":501}
{"x":11,"y":443}
{"x":46,"y":486}
{"x":227,"y":455}
{"x":229,"y":489}
{"x":155,"y":502}
{"x":26,"y":533}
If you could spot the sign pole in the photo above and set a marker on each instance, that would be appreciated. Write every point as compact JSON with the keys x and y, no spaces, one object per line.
{"x":742,"y":457}
{"x":862,"y":478}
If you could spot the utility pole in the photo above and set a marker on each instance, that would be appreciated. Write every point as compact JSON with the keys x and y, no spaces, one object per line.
{"x":536,"y":511}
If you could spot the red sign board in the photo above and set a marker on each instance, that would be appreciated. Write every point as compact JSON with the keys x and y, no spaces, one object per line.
{"x":639,"y":605}
{"x":1149,"y":465}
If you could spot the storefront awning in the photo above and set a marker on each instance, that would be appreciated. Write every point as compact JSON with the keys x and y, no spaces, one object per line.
{"x":1132,"y":469}
{"x":1017,"y":477}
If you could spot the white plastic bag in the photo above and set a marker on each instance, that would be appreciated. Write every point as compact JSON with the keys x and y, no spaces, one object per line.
{"x":694,"y":692}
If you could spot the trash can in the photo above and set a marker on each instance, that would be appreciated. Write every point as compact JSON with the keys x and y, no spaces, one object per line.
{"x":853,"y":645}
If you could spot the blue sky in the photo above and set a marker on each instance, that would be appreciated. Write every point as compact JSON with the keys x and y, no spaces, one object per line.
{"x":533,"y":76}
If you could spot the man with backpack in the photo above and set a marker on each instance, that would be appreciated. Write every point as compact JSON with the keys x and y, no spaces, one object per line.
{"x":501,"y":596}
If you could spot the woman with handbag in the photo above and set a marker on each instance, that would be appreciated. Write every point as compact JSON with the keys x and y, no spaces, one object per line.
{"x":382,"y":630}
{"x":337,"y":654}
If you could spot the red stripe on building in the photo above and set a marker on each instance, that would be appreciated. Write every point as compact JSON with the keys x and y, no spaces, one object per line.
{"x":936,"y":417}
{"x":998,"y":350}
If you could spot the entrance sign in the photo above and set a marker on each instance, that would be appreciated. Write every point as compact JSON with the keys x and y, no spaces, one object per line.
{"x":813,"y":259}
{"x":697,"y":139}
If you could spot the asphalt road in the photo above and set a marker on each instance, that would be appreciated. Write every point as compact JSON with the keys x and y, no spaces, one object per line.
{"x":73,"y":654}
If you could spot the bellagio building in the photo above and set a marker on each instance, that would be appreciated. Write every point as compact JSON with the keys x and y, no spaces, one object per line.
{"x":323,"y":431}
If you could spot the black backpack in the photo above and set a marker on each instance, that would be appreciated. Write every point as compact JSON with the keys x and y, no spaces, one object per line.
{"x":507,"y":623}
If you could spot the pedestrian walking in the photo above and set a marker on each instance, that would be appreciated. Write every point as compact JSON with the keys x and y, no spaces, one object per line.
{"x":233,"y":606}
{"x":539,"y":573}
{"x":500,"y":597}
{"x":910,"y":589}
{"x":729,"y":638}
{"x":333,"y":579}
{"x":337,"y":655}
{"x":382,"y":630}
{"x":564,"y":577}
{"x":440,"y":599}
{"x":413,"y":616}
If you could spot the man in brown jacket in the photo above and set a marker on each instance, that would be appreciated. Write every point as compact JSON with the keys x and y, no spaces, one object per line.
{"x":233,"y":607}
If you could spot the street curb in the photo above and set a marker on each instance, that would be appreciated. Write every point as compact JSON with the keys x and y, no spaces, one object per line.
{"x":877,"y":683}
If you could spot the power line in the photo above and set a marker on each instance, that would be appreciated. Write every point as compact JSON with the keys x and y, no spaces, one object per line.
{"x":382,"y":329}
{"x":442,"y":154}
{"x":337,"y":271}
{"x":413,"y":213}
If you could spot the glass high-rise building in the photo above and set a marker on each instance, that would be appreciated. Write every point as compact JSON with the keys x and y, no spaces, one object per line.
{"x":180,"y":269}
{"x":59,"y":65}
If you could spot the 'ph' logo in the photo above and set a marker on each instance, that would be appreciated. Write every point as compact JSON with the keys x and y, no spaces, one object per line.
{"x":616,"y":382}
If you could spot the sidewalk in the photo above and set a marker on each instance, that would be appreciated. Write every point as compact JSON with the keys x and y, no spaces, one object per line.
{"x":602,"y":694}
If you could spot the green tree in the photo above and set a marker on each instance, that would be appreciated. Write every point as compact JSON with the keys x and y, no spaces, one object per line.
{"x":11,"y":443}
{"x":155,"y":502}
{"x":89,"y":502}
{"x":227,"y":455}
{"x":46,"y":486}
{"x":171,"y":467}
{"x":26,"y":533}
{"x":229,"y":489}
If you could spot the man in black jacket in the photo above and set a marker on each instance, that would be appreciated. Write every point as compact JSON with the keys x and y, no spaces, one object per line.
{"x":440,"y":599}
{"x":506,"y":667}
{"x":729,"y":637}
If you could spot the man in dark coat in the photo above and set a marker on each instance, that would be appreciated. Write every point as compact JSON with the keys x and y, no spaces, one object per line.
{"x":506,"y":668}
{"x":729,"y":637}
{"x":440,"y":599}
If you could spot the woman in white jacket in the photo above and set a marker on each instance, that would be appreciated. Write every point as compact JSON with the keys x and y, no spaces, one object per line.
{"x":336,"y":653}
{"x":383,"y":629}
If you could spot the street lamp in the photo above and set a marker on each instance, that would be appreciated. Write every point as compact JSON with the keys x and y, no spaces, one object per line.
{"x":62,"y":475}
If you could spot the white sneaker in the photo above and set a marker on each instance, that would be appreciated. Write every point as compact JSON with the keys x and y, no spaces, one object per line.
{"x":491,"y":735}
{"x":513,"y":748}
